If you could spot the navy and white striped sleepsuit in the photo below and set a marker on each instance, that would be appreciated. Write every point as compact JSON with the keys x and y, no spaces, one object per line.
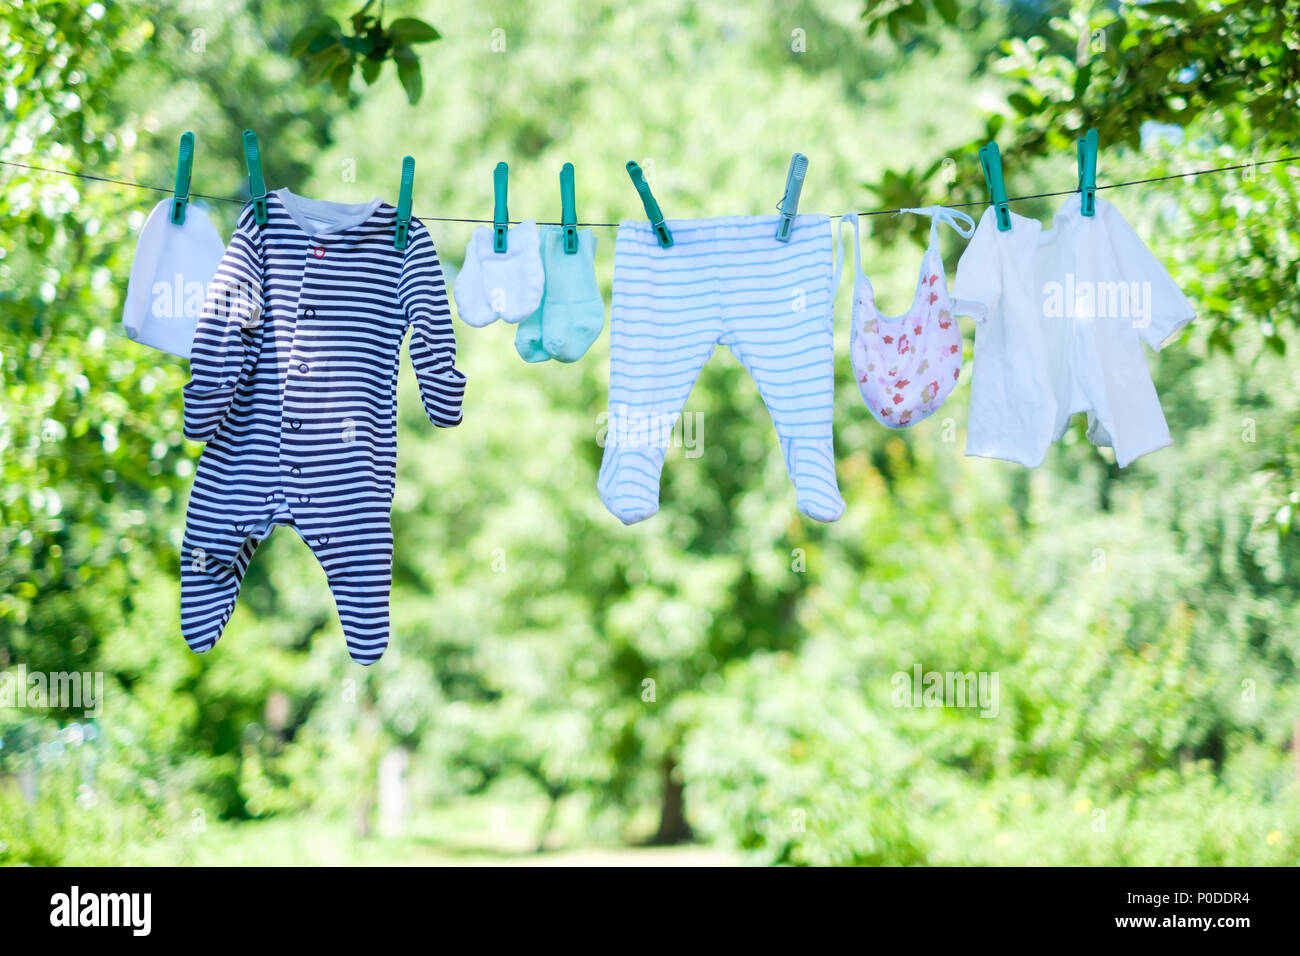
{"x":293,"y":387}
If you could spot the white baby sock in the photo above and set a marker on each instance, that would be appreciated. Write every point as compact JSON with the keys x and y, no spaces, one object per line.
{"x":500,"y":285}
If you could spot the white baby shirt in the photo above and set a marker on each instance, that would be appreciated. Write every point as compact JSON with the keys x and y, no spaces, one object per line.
{"x":1061,"y":317}
{"x":170,"y":273}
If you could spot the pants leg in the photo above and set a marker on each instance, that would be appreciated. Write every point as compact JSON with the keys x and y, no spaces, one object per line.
{"x":209,"y":588}
{"x":778,"y":321}
{"x":358,"y":564}
{"x":664,"y":324}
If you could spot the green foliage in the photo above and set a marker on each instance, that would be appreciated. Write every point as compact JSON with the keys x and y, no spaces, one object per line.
{"x":330,"y":55}
{"x":1145,"y":643}
{"x":95,"y":470}
{"x":901,"y":17}
{"x":1141,"y":622}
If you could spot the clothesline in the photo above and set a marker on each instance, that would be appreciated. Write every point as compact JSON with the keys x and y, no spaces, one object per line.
{"x":613,"y":225}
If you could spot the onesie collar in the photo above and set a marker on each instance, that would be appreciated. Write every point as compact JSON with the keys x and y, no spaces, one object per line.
{"x":322,"y":219}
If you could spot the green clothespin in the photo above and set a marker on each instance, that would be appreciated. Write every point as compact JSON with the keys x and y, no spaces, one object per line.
{"x":184,"y":168}
{"x":1088,"y":173}
{"x":256,"y":183}
{"x":651,"y":207}
{"x":790,"y":201}
{"x":991,"y":160}
{"x":404,"y":203}
{"x":500,"y":215}
{"x":568,"y":210}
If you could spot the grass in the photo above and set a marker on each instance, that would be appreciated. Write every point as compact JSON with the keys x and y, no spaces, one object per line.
{"x":481,"y":831}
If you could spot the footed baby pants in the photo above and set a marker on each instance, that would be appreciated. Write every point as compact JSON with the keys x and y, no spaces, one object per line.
{"x":722,"y":282}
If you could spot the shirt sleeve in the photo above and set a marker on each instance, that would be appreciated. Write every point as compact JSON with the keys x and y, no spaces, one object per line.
{"x":978,"y":286}
{"x":423,"y":296}
{"x":223,"y":338}
{"x":1161,"y":309}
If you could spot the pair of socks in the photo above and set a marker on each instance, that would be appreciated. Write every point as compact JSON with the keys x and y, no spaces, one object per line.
{"x":572,"y":313}
{"x":495,"y":285}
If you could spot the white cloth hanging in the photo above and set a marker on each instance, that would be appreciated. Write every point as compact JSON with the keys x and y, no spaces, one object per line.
{"x":170,"y":273}
{"x":1061,"y":316}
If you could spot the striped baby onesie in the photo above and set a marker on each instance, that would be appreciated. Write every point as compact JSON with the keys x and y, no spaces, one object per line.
{"x":723,"y":282}
{"x":293,"y":387}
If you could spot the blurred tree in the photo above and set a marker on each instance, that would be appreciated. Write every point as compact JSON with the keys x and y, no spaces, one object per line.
{"x":95,"y":469}
{"x":723,"y":669}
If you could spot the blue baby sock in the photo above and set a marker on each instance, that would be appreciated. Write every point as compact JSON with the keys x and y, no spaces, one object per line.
{"x":573,"y":313}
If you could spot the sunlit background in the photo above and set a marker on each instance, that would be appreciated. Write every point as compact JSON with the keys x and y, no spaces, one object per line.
{"x":720,"y":683}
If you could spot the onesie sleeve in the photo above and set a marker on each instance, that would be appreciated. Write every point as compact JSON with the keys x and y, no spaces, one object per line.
{"x":423,"y":296}
{"x":1161,"y":309}
{"x":978,"y":286}
{"x":231,"y":311}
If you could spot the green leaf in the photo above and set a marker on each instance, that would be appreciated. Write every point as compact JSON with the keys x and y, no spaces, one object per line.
{"x":408,"y":71}
{"x":340,"y":76}
{"x":315,"y":29}
{"x":359,"y":19}
{"x":320,"y":64}
{"x":370,"y":70}
{"x":1165,"y":8}
{"x":360,"y":44}
{"x":1081,"y":78}
{"x":1022,"y":104}
{"x":409,"y":30}
{"x":948,"y":10}
{"x":914,"y":11}
{"x":896,"y":24}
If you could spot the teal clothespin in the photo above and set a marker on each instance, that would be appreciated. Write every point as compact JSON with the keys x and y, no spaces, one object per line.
{"x":790,"y":201}
{"x":991,"y":160}
{"x":404,"y":203}
{"x":1088,"y":173}
{"x":500,"y":215}
{"x":184,"y":168}
{"x":651,"y":207}
{"x":568,"y":210}
{"x":256,"y":183}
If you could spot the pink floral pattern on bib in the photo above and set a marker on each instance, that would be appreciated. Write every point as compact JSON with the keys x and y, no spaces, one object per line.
{"x":906,"y":366}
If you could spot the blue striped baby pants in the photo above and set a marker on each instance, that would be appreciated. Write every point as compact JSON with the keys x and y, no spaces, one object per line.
{"x":723,"y":282}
